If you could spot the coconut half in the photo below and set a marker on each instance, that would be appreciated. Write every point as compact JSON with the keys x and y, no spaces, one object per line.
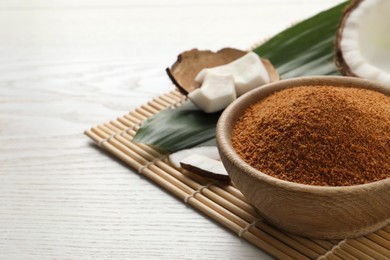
{"x":363,"y":40}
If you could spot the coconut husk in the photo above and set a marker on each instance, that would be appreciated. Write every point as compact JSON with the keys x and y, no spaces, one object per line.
{"x":190,"y":63}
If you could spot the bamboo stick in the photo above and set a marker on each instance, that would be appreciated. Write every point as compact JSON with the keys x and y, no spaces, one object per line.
{"x":162,"y":102}
{"x":233,"y":199}
{"x":354,"y":251}
{"x":309,"y":243}
{"x":232,"y":190}
{"x":168,"y":99}
{"x":139,"y":116}
{"x":150,"y":109}
{"x":133,"y":119}
{"x":144,"y":112}
{"x":333,"y":257}
{"x":125,"y":122}
{"x":177,"y":93}
{"x":375,"y":247}
{"x":365,"y":248}
{"x":343,"y":254}
{"x":329,"y":257}
{"x":383,"y":234}
{"x":156,"y":105}
{"x":176,"y":98}
{"x":379,"y":240}
{"x":324,"y":243}
{"x":387,"y":229}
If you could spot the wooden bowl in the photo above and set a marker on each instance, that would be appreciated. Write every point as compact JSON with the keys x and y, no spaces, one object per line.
{"x":307,"y":210}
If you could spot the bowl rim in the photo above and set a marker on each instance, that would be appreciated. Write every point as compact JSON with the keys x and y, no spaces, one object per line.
{"x":226,"y":148}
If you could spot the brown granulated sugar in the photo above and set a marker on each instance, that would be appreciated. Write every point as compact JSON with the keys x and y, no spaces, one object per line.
{"x":318,"y":135}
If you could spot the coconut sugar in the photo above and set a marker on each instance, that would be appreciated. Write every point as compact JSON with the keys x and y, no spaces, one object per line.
{"x":318,"y":135}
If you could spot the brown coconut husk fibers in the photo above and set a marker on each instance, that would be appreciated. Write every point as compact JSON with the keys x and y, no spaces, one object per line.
{"x":318,"y":135}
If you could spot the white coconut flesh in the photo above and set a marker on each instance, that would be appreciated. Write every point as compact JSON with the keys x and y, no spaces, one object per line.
{"x":365,"y":40}
{"x":248,"y":72}
{"x":207,"y":151}
{"x":215,"y":93}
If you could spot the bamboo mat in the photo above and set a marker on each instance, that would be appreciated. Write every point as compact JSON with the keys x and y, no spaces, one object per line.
{"x":221,"y":201}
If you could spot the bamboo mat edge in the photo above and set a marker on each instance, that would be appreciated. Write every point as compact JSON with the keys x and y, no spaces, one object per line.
{"x":221,"y":201}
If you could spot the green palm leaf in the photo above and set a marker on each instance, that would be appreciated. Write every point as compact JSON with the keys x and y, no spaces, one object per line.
{"x":178,"y":128}
{"x":306,"y":48}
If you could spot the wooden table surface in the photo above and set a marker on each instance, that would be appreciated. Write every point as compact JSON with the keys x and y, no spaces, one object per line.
{"x":67,"y":65}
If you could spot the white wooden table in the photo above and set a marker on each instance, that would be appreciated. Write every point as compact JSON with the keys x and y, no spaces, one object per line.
{"x":66,"y":65}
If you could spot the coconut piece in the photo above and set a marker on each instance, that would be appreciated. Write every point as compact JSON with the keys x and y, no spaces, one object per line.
{"x":205,"y":166}
{"x":248,"y":73}
{"x":215,"y":94}
{"x":363,"y":40}
{"x":190,"y":63}
{"x":208,"y":151}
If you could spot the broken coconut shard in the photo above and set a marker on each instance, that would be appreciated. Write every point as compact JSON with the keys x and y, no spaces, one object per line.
{"x":363,"y":40}
{"x":190,"y":63}
{"x":205,"y":166}
{"x":204,"y":161}
{"x":209,"y":151}
{"x":216,"y":93}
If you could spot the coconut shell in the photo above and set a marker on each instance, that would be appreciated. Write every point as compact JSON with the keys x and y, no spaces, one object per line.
{"x":340,"y":62}
{"x":190,"y":63}
{"x":272,"y":72}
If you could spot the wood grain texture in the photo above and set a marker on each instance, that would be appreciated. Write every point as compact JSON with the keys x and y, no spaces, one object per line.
{"x":67,"y":65}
